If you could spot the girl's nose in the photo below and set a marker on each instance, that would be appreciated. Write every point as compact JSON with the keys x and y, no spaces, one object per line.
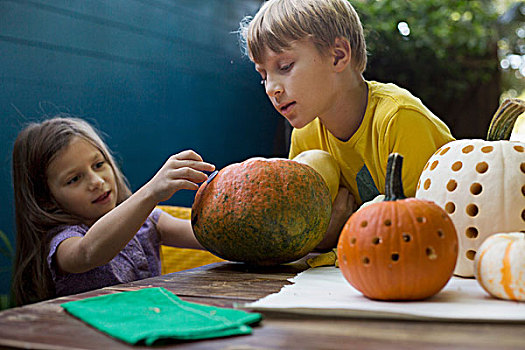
{"x":96,"y":181}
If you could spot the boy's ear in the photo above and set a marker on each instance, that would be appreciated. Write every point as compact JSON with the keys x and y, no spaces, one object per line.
{"x":341,"y":53}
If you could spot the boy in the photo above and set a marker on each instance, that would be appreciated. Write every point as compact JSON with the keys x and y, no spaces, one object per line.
{"x":311,"y":55}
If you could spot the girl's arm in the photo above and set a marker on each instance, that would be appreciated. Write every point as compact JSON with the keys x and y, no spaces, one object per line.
{"x":112,"y":232}
{"x":177,"y":232}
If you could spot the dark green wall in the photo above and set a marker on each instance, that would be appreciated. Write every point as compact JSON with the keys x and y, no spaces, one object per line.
{"x":157,"y":76}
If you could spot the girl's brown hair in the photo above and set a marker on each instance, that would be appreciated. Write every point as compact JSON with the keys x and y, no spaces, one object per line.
{"x":280,"y":22}
{"x":36,"y":212}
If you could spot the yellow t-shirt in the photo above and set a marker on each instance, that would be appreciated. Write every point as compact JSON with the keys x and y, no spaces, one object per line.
{"x":394,"y":121}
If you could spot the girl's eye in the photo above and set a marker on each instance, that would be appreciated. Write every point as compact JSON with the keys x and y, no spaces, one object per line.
{"x":99,"y":165}
{"x":73,"y":180}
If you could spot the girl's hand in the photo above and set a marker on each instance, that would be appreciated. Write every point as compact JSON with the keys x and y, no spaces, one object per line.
{"x":183,"y":170}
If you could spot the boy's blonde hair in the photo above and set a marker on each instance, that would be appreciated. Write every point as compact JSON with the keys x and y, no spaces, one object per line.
{"x":280,"y":22}
{"x":36,"y":211}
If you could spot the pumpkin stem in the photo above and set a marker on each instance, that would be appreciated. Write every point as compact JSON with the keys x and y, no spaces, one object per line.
{"x":393,"y":182}
{"x":503,"y":121}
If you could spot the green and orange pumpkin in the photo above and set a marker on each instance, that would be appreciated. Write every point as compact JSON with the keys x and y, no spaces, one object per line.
{"x":262,"y":211}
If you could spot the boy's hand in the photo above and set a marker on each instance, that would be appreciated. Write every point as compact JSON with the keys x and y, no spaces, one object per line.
{"x":344,"y":205}
{"x":183,"y":170}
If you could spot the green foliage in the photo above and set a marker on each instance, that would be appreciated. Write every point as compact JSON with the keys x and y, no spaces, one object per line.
{"x":511,"y":48}
{"x":451,"y":45}
{"x":5,"y":301}
{"x":6,"y":249}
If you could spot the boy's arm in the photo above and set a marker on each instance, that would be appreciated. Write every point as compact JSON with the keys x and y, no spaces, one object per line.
{"x":344,"y":205}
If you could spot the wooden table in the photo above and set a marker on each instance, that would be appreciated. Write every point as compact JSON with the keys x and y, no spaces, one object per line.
{"x":45,"y":325}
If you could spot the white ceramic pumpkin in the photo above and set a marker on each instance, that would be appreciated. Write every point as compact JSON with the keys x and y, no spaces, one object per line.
{"x":500,"y":265}
{"x":481,"y":185}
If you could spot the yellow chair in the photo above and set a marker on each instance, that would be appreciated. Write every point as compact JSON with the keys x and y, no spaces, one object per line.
{"x":178,"y":259}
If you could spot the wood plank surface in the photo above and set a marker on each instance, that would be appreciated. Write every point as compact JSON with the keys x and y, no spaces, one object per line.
{"x":46,"y":326}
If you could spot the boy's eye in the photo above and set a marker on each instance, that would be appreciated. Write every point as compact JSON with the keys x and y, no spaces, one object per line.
{"x":286,"y":67}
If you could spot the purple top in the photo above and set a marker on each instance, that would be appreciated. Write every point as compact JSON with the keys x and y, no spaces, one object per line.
{"x":139,"y":259}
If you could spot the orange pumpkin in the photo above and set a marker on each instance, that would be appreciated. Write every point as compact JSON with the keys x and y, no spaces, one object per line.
{"x":398,"y":249}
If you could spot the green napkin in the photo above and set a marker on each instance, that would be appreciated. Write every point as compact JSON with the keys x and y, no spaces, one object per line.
{"x":151,"y":314}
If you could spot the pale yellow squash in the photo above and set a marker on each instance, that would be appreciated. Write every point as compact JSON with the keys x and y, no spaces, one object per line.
{"x":325,"y":164}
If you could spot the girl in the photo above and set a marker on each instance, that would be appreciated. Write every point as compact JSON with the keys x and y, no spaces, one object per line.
{"x":78,"y":225}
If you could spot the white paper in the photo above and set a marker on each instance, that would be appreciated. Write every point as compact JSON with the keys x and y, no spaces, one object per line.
{"x":324,"y":291}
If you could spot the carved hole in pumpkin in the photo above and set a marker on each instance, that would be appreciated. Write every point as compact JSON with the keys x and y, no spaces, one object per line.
{"x":434,"y":165}
{"x":523,"y":215}
{"x":522,"y":167}
{"x":450,"y":207}
{"x":445,"y":150}
{"x":467,"y":149}
{"x":395,"y":257}
{"x":431,"y":253}
{"x":421,"y":219}
{"x":457,"y":166}
{"x":482,"y":167}
{"x":406,"y":237}
{"x":452,"y":185}
{"x":472,"y":210}
{"x":523,"y":190}
{"x":376,"y":240}
{"x":470,"y":254}
{"x":388,"y":222}
{"x":519,"y":148}
{"x":426,"y":185}
{"x":471,"y":232}
{"x":353,"y":240}
{"x":366,"y":260}
{"x":476,"y":188}
{"x":441,"y":234}
{"x":487,"y":149}
{"x":364,"y":223}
